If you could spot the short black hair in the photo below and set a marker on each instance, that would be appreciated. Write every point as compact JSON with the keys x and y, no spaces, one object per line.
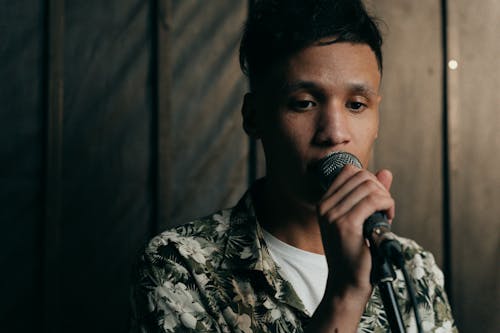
{"x":277,"y":29}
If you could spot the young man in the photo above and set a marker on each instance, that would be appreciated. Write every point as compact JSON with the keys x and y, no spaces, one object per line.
{"x":291,"y":257}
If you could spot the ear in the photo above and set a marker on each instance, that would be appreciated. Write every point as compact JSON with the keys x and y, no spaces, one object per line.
{"x":249,"y":113}
{"x":379,"y":98}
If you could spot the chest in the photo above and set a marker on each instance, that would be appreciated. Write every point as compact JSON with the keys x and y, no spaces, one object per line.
{"x":248,"y":304}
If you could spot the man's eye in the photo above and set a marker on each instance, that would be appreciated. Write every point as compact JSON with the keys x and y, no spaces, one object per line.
{"x":356,"y":106}
{"x":301,"y":105}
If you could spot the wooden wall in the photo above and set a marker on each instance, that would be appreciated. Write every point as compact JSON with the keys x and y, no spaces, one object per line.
{"x":209,"y":148}
{"x":439,"y":134}
{"x":21,"y":162}
{"x":410,"y":135}
{"x":118,"y":119}
{"x":474,"y":145}
{"x":121,"y":118}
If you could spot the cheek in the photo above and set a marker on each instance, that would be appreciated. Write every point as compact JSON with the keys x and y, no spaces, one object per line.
{"x":365,"y":134}
{"x":285,"y":130}
{"x":368,"y":127}
{"x":296,"y":132}
{"x":370,"y":134}
{"x":286,"y":140}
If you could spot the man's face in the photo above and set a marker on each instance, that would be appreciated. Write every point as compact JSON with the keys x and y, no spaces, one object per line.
{"x":324,"y":98}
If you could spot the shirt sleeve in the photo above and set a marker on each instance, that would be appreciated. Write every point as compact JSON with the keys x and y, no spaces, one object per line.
{"x":434,"y":308}
{"x":165,"y":297}
{"x":443,"y":317}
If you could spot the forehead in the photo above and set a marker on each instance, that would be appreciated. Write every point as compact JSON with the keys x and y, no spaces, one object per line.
{"x":331,"y":66}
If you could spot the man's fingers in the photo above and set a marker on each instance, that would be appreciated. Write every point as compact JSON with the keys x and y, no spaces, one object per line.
{"x":366,"y":188}
{"x":364,"y":208}
{"x":385,"y":177}
{"x":346,"y":182}
{"x":355,"y":187}
{"x":347,"y":172}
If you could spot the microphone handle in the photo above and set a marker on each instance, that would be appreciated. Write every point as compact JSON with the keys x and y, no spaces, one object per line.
{"x":383,"y":247}
{"x":377,"y":231}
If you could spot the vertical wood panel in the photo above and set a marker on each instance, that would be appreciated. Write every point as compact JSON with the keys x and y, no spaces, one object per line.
{"x":474,"y":112}
{"x":210,"y":149}
{"x":22,"y":127}
{"x":53,"y":171}
{"x":447,"y":251}
{"x":108,"y":157}
{"x":163,"y":15}
{"x":410,"y":136}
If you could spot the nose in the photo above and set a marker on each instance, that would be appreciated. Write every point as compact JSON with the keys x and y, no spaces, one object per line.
{"x":332,"y":126}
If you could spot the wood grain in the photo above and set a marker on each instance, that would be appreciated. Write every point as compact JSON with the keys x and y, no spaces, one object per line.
{"x":210,"y":149}
{"x":23,"y":109}
{"x":475,"y":162}
{"x":163,"y":112}
{"x":108,"y":157}
{"x":410,"y":135}
{"x":53,"y":168}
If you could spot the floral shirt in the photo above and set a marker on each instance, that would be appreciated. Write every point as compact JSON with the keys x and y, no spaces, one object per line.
{"x":215,"y":274}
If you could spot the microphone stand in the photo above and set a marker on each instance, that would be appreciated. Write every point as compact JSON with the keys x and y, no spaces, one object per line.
{"x":382,"y":251}
{"x":383,"y":275}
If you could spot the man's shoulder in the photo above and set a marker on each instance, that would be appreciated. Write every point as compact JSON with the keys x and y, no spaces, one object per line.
{"x":428,"y":281}
{"x":197,"y":241}
{"x":420,"y":262}
{"x":411,"y":249}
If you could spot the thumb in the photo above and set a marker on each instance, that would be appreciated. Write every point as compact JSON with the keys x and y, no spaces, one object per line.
{"x":385,"y":177}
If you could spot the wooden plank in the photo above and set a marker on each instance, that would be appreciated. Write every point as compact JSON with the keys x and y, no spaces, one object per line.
{"x":474,"y":115}
{"x":446,"y":154}
{"x":53,"y":158}
{"x":209,"y":147}
{"x":162,"y":112}
{"x":410,"y":136}
{"x":108,"y":152}
{"x":22,"y":167}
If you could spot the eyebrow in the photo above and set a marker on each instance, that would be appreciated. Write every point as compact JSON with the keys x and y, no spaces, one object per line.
{"x":356,"y":88}
{"x":360,"y":88}
{"x":299,"y":85}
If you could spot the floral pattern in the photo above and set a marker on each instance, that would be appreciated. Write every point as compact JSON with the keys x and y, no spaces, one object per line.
{"x":215,"y":274}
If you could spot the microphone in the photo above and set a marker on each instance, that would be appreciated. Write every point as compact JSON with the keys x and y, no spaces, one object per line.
{"x":376,"y":228}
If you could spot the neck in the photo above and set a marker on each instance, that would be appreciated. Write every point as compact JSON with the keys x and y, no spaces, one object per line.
{"x":287,"y":218}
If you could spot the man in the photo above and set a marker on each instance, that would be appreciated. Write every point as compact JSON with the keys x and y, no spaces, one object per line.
{"x":291,"y":257}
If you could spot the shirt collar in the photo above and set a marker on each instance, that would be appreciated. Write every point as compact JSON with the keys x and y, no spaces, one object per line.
{"x":246,"y":251}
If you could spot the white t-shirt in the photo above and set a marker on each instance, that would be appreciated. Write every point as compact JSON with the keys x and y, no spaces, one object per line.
{"x":306,"y":271}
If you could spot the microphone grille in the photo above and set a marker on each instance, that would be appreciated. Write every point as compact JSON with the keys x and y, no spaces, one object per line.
{"x":331,"y":165}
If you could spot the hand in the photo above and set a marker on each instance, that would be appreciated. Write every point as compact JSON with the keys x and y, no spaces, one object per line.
{"x":351,"y":199}
{"x":354,"y":195}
